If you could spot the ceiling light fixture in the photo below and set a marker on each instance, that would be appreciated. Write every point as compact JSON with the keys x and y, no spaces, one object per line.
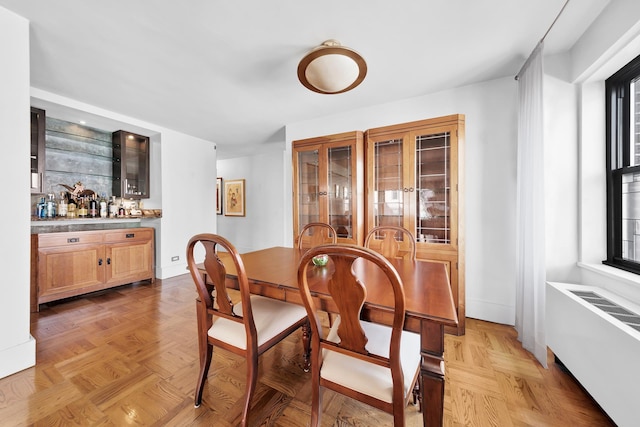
{"x":332,"y":68}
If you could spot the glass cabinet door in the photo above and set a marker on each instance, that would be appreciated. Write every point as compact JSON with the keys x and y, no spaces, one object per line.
{"x":308,"y":190}
{"x":340,"y":179}
{"x":433,"y":188}
{"x":328,"y":184}
{"x":411,"y":176}
{"x":130,"y":165}
{"x":389,"y":201}
{"x":37,"y":149}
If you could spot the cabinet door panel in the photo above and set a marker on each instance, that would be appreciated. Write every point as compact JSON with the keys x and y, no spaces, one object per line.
{"x":128,"y":262}
{"x":340,"y":178}
{"x":64,"y":271}
{"x":328,"y":184}
{"x":415,"y":180}
{"x":309,"y":186}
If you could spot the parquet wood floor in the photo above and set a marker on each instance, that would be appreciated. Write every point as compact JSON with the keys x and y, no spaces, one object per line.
{"x":128,"y":356}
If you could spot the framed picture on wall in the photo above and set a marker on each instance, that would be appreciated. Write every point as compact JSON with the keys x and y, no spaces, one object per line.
{"x":219,"y":196}
{"x":234,"y":197}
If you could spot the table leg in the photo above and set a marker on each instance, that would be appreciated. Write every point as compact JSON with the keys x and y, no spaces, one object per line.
{"x":432,"y":372}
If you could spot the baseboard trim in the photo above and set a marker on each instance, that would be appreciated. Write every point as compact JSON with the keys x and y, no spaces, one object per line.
{"x":18,"y":358}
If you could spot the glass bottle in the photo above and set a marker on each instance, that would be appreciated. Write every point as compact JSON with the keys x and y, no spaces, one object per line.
{"x":93,"y":206}
{"x":112,"y":207}
{"x":51,"y":205}
{"x":71,"y":209}
{"x":41,"y":208}
{"x":62,"y":205}
{"x":103,"y":206}
{"x":82,"y":208}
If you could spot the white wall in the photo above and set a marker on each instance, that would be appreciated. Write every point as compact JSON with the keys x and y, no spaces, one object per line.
{"x":490,"y":172}
{"x":610,"y":43}
{"x":561,"y":180}
{"x":264,"y":223}
{"x":17,"y":347}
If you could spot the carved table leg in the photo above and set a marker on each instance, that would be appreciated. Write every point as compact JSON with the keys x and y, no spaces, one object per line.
{"x":306,"y":344}
{"x":432,"y":372}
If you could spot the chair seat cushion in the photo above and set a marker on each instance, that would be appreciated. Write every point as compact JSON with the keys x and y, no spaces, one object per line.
{"x":270,"y":317}
{"x":368,"y":378}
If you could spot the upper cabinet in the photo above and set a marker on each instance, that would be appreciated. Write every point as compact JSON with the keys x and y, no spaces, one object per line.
{"x":130,"y":165}
{"x":37,"y":149}
{"x":328,"y":184}
{"x":415,"y":180}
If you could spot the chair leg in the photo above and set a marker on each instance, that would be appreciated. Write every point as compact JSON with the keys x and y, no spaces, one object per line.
{"x":205,"y":362}
{"x":252,"y":378}
{"x":417,"y":394}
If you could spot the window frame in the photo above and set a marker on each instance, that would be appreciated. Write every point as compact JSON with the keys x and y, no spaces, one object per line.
{"x":618,"y":158}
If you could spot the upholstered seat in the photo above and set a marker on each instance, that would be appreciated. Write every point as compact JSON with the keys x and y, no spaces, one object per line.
{"x":249,"y":327}
{"x":270,"y":316}
{"x":369,"y":378}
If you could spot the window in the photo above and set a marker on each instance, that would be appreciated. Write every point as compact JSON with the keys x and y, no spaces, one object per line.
{"x":623,"y":167}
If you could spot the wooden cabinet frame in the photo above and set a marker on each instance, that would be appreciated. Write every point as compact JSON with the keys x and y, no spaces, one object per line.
{"x":68,"y":264}
{"x":451,"y":252}
{"x":353,"y":140}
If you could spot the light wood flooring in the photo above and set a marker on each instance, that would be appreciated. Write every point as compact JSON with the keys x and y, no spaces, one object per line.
{"x":128,"y":356}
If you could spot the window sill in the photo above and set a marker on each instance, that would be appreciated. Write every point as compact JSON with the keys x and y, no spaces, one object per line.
{"x":623,"y":276}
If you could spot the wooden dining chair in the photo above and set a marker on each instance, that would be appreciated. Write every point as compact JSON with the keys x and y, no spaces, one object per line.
{"x":391,"y":241}
{"x":316,"y":233}
{"x":248,"y":328}
{"x":372,"y":363}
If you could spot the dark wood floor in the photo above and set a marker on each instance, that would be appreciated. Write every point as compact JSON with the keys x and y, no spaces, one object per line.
{"x":128,"y":356}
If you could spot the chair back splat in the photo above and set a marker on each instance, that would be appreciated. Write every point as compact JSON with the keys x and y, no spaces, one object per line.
{"x":373,"y":363}
{"x":391,"y":241}
{"x":247,"y":327}
{"x":316,"y":233}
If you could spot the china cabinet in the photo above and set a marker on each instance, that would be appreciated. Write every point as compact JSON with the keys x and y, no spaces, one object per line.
{"x":414,"y":179}
{"x":130,"y":165}
{"x":66,"y":264}
{"x":37,"y":149}
{"x":328,"y":184}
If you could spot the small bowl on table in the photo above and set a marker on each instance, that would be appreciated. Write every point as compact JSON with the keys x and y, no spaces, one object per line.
{"x":320,"y":260}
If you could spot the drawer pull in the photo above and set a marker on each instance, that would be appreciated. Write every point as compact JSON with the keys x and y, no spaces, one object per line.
{"x":130,"y":235}
{"x":108,"y":261}
{"x":100,"y":261}
{"x":73,"y":240}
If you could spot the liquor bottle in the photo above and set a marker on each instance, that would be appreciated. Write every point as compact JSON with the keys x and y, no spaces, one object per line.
{"x":93,"y":207}
{"x":103,"y":206}
{"x":62,"y":205}
{"x":82,"y":208}
{"x":41,"y":208}
{"x":71,"y":209}
{"x":51,"y":205}
{"x":112,"y":207}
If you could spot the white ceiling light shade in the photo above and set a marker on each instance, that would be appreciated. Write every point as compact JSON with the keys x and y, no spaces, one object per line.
{"x":332,"y":68}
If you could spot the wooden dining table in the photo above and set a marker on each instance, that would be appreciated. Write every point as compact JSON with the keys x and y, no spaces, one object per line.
{"x":429,"y":304}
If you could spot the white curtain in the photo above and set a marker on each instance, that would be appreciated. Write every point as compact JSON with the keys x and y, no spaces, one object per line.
{"x":530,"y":241}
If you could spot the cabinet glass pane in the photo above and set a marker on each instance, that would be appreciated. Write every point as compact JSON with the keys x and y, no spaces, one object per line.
{"x":340,"y":178}
{"x":388,"y":201}
{"x":308,"y":187}
{"x":136,"y":166}
{"x":433,"y":188}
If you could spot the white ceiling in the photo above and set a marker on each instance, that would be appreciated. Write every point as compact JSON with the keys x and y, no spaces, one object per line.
{"x":225,"y":71}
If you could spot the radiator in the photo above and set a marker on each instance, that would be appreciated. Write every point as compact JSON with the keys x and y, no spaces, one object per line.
{"x":596,"y":335}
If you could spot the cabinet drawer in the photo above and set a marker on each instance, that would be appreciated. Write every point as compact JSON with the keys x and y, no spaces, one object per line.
{"x":128,"y":235}
{"x":68,"y":239}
